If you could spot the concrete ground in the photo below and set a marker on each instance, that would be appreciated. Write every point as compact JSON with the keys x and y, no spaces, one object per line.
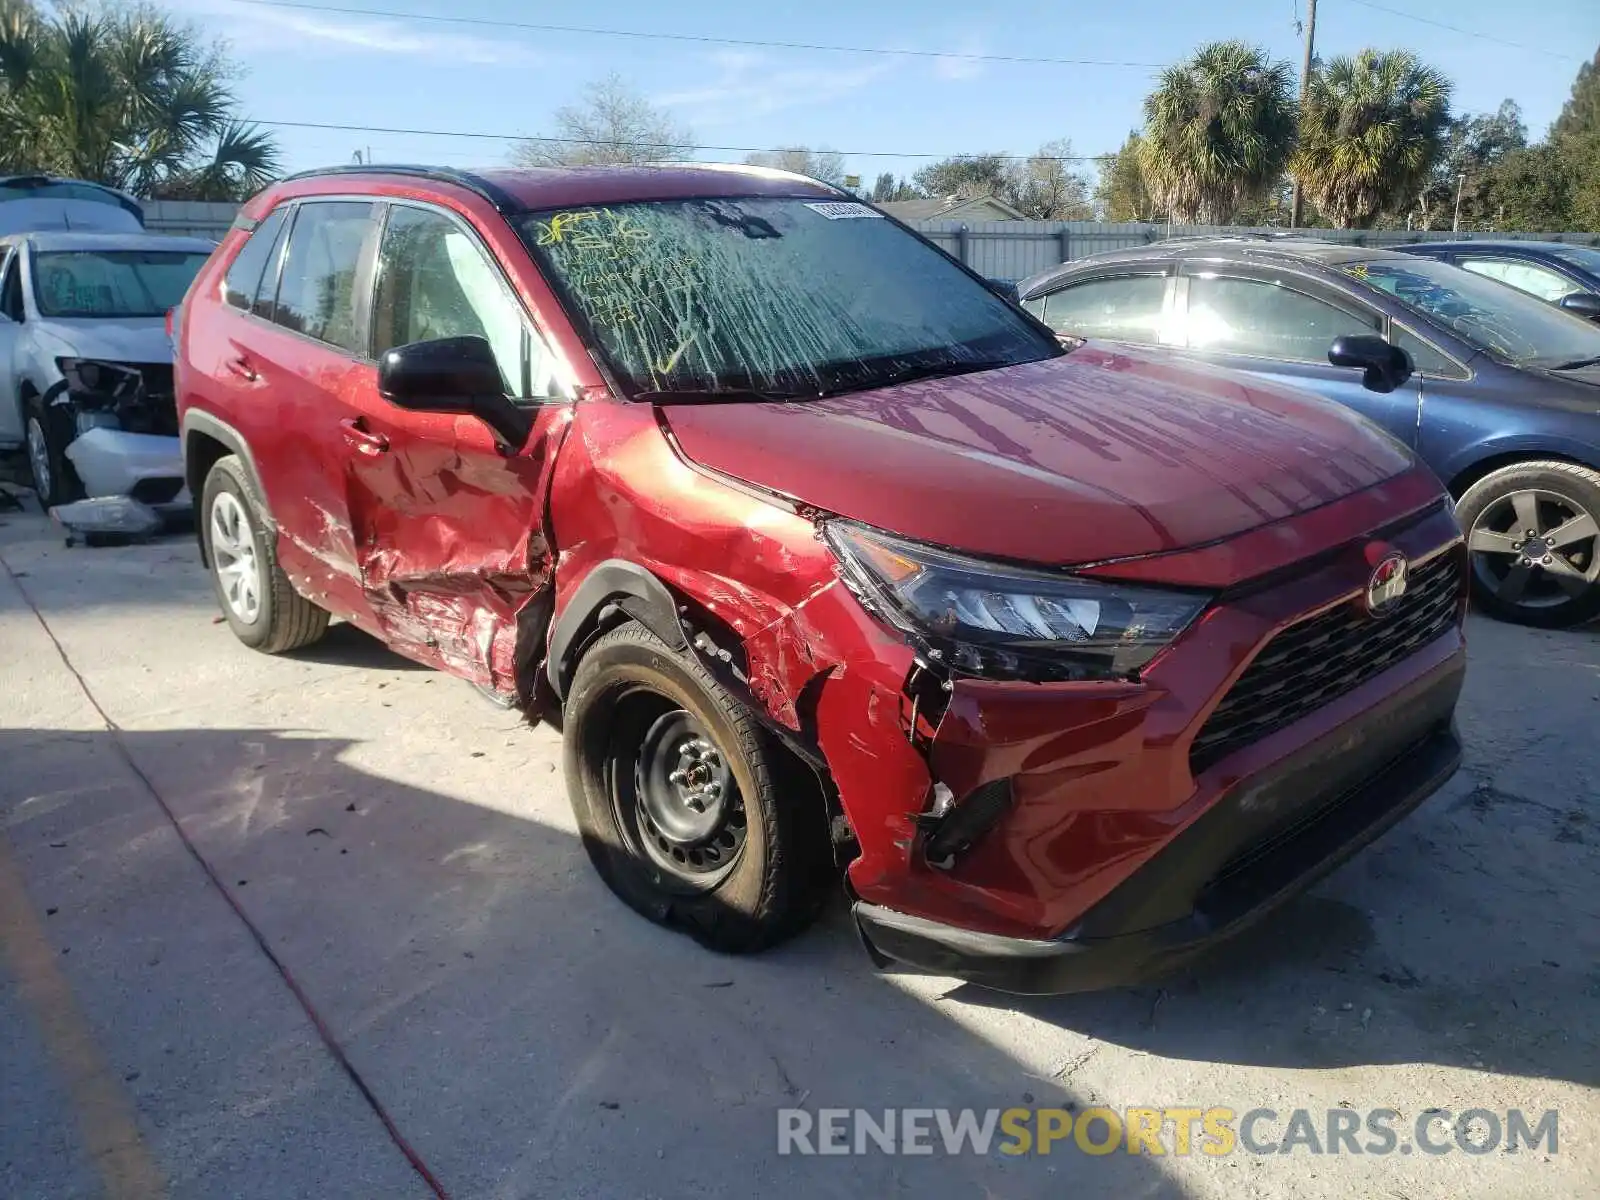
{"x":405,"y":855}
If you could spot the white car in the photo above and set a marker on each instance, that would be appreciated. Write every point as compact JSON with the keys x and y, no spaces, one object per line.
{"x":86,"y":361}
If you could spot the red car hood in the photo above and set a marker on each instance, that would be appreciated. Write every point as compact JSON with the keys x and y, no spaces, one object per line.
{"x":1099,"y":454}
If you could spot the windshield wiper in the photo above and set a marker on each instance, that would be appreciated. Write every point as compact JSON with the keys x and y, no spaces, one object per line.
{"x":1578,"y":363}
{"x":935,"y":370}
{"x":717,"y":396}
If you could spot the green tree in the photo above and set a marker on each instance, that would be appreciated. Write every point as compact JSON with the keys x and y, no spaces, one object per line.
{"x":1473,"y":146}
{"x":968,"y":176}
{"x":1218,"y":132}
{"x":126,"y":97}
{"x":1371,"y":130}
{"x":1530,"y":189}
{"x":1044,"y":187}
{"x":826,"y":165}
{"x":612,"y":123}
{"x":1120,"y":194}
{"x":1580,"y":116}
{"x":887,"y":187}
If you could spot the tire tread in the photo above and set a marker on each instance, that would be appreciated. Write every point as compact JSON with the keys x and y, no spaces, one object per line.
{"x":796,"y":847}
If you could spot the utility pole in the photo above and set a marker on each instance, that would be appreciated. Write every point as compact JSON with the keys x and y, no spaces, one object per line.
{"x":1296,"y":207}
{"x":1455,"y":226}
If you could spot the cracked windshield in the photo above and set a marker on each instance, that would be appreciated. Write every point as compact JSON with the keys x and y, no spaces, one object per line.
{"x":784,"y":296}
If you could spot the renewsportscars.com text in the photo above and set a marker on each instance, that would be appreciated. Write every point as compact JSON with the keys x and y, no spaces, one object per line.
{"x":1157,"y":1132}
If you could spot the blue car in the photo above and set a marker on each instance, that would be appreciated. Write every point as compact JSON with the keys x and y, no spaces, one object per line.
{"x":1498,"y":392}
{"x":1557,"y":273}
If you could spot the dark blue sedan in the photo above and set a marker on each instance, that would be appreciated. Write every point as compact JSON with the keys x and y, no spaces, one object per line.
{"x":1557,"y":273}
{"x":1498,"y":392}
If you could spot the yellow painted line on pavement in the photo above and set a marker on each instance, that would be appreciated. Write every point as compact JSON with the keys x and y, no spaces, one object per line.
{"x":105,"y":1112}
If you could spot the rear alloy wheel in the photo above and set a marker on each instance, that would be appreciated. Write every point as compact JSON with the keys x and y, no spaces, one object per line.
{"x":260,"y":604}
{"x":1534,"y":537}
{"x":688,"y":808}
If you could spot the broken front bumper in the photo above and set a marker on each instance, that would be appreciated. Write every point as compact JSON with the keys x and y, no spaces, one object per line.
{"x":114,"y":462}
{"x":1267,"y":839}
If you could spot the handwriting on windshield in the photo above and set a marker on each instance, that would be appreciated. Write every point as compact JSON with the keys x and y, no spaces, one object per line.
{"x":678,"y":294}
{"x":628,"y":282}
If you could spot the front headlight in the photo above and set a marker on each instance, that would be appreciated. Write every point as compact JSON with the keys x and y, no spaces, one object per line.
{"x":93,"y":377}
{"x":1001,"y":621}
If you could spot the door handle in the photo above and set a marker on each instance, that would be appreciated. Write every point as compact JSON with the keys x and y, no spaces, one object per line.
{"x":240,"y":365}
{"x":361,"y":439}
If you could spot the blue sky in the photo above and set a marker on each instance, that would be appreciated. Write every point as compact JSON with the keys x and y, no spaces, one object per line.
{"x":340,"y":68}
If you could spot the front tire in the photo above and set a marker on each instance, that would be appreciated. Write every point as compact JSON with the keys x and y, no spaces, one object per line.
{"x":260,"y":604}
{"x":48,"y":432}
{"x":691,"y":812}
{"x":1533,"y":530}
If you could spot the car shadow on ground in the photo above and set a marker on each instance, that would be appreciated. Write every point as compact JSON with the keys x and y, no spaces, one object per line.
{"x":524,"y":1029}
{"x":345,"y":645}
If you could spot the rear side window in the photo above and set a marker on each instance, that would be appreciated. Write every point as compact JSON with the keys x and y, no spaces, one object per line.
{"x":243,"y":280}
{"x":1267,"y":320}
{"x":1126,"y":309}
{"x":317,"y":293}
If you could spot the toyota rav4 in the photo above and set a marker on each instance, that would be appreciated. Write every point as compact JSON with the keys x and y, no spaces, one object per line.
{"x":821,"y":554}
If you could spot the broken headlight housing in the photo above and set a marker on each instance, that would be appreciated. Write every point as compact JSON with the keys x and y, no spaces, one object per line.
{"x":1001,"y":621}
{"x":93,"y":377}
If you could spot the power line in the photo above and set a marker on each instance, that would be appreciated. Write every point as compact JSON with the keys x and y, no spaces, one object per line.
{"x":692,"y":37}
{"x":1471,"y":33}
{"x":521,"y":137}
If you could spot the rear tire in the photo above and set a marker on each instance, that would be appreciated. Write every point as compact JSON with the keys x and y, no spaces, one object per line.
{"x":47,"y":433}
{"x":1534,"y":532}
{"x":746,"y":869}
{"x":261,"y":606}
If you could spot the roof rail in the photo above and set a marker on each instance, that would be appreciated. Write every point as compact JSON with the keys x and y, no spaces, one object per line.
{"x":497,"y":196}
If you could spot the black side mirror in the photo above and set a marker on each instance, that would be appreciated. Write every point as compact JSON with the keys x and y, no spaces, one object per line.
{"x":1384,"y":367}
{"x":453,"y":375}
{"x":1582,"y":304}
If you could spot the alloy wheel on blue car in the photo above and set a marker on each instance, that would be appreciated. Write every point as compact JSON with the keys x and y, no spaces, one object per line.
{"x":1533,"y":530}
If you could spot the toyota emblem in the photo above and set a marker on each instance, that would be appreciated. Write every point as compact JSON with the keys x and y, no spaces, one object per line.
{"x":1388,"y":583}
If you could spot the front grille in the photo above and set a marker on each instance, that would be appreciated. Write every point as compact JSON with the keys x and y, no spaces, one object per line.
{"x":1318,"y":659}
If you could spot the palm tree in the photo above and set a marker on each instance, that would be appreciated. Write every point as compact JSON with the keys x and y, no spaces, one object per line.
{"x":1219,"y":130}
{"x":1372,"y":127}
{"x":127,"y":98}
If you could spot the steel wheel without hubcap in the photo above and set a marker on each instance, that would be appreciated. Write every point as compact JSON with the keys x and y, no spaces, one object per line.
{"x":676,"y":796}
{"x":233,"y":554}
{"x":39,"y":457}
{"x":1535,"y":549}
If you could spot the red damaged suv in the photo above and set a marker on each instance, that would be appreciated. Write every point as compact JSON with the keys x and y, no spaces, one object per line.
{"x":821,"y":553}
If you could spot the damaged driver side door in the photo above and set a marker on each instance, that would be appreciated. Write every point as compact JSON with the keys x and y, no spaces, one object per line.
{"x":448,"y":519}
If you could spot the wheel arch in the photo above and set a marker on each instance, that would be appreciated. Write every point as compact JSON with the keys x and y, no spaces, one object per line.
{"x":614,"y":591}
{"x":205,"y":439}
{"x":617,"y":590}
{"x":1493,"y":458}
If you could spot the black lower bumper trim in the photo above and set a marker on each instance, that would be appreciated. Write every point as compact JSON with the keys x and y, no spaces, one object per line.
{"x":1247,"y":888}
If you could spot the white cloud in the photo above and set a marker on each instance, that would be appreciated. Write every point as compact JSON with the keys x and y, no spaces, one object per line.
{"x":255,"y":28}
{"x":742,"y":84}
{"x":958,"y":69}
